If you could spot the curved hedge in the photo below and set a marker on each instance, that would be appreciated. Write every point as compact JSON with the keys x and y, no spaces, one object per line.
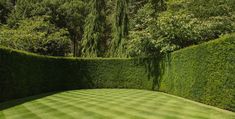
{"x":23,"y":74}
{"x":204,"y":73}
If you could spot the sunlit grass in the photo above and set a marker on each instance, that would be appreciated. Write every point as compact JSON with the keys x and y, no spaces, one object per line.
{"x":113,"y":104}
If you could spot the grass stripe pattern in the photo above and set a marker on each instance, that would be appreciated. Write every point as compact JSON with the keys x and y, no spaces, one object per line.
{"x":113,"y":104}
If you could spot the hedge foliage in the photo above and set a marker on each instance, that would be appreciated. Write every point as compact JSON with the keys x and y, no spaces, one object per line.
{"x":23,"y":74}
{"x":204,"y":73}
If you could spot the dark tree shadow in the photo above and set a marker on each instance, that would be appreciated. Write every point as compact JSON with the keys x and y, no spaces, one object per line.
{"x":75,"y":78}
{"x":12,"y":103}
{"x":7,"y":98}
{"x":5,"y":81}
{"x":86,"y":76}
{"x":155,"y":68}
{"x":78,"y":76}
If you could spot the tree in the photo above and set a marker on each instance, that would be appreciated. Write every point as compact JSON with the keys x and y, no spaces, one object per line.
{"x":5,"y":9}
{"x":36,"y":35}
{"x":135,"y":5}
{"x":120,"y":29}
{"x":93,"y":42}
{"x":69,"y":14}
{"x":193,"y":22}
{"x":143,"y":26}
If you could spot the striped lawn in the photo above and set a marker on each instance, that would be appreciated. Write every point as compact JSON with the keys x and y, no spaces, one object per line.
{"x":113,"y":104}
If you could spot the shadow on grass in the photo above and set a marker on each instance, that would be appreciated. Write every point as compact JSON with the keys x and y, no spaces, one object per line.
{"x":12,"y":103}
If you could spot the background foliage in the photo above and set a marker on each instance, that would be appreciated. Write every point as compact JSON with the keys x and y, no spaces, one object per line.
{"x":93,"y":42}
{"x":125,"y":28}
{"x":36,"y":35}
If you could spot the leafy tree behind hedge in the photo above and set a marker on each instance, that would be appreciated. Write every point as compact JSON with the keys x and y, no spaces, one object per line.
{"x":36,"y":35}
{"x":5,"y":9}
{"x":123,"y":28}
{"x":93,"y":43}
{"x":120,"y":29}
{"x":68,"y":14}
{"x":184,"y":23}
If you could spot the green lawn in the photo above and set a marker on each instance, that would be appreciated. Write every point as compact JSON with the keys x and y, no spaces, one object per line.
{"x":113,"y":104}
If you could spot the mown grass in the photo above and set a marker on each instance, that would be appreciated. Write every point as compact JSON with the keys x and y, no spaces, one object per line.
{"x":113,"y":104}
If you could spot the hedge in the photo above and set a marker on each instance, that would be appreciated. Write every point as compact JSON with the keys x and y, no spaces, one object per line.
{"x":23,"y":74}
{"x":204,"y":73}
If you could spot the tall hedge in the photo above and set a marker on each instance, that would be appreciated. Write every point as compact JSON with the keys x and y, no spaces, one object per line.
{"x":204,"y":73}
{"x":23,"y":74}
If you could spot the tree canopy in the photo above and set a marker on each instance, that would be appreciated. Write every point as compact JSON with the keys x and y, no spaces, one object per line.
{"x":93,"y":42}
{"x":113,"y":28}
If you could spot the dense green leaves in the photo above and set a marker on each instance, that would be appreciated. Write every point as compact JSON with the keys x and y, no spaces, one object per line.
{"x":120,"y":29}
{"x":62,"y":13}
{"x":69,"y":14}
{"x":5,"y":9}
{"x":93,"y":43}
{"x":143,"y":28}
{"x":181,"y":25}
{"x":127,"y":28}
{"x":36,"y":35}
{"x":160,"y":30}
